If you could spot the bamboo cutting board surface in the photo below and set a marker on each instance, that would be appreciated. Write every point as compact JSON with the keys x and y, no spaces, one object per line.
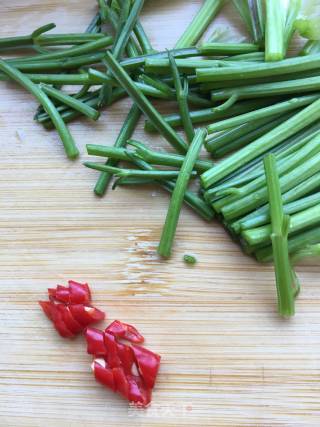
{"x":228,"y":360}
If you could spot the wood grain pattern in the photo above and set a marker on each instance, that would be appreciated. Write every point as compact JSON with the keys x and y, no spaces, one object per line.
{"x":228,"y":360}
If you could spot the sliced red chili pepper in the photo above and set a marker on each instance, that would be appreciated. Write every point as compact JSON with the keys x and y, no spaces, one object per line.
{"x":86,"y":314}
{"x":103,"y":374}
{"x":76,"y":293}
{"x":136,"y":394}
{"x":61,"y":294}
{"x":121,"y":382}
{"x":51,"y":311}
{"x":47,"y":308}
{"x":79,"y":293}
{"x":126,"y":356}
{"x":146,"y":392}
{"x":148,"y":364}
{"x":69,"y":320}
{"x":59,"y":323}
{"x":112,"y":358}
{"x":95,"y":342}
{"x":125,"y":331}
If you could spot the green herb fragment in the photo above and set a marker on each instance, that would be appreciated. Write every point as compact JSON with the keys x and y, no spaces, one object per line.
{"x":189,"y":259}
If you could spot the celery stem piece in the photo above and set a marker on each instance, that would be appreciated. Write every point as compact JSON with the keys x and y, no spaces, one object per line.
{"x":169,"y":229}
{"x":308,"y":115}
{"x":144,"y":104}
{"x":275,"y":109}
{"x":279,"y":238}
{"x":134,"y":173}
{"x":126,"y":132}
{"x":182,"y":98}
{"x":310,"y":251}
{"x":200,"y":23}
{"x":72,"y":102}
{"x":275,"y":25}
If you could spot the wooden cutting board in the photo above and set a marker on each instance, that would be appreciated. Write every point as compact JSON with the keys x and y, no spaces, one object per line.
{"x":228,"y":360}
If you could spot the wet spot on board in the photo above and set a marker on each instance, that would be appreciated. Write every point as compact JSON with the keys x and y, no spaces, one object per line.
{"x":145,"y":272}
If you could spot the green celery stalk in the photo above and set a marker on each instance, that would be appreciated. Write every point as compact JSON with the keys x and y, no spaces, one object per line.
{"x":253,"y":194}
{"x":288,"y":87}
{"x":309,"y":251}
{"x":71,"y":102}
{"x":308,"y":115}
{"x":134,"y":173}
{"x":182,"y":98}
{"x":144,"y":104}
{"x":300,"y":221}
{"x":243,"y":135}
{"x":275,"y":30}
{"x":262,"y":113}
{"x":166,"y":159}
{"x":255,"y":70}
{"x":169,"y":229}
{"x":209,"y":114}
{"x":126,"y":132}
{"x":190,"y":198}
{"x":295,"y":244}
{"x":227,"y":48}
{"x":200,"y":23}
{"x":279,"y":237}
{"x":82,"y":49}
{"x":312,"y":47}
{"x":289,"y":209}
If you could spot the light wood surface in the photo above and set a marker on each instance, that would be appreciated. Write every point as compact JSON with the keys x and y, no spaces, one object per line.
{"x":228,"y":360}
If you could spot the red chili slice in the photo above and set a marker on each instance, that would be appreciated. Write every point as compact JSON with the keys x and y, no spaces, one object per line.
{"x":148,"y":364}
{"x":95,"y":342}
{"x":59,"y":324}
{"x":121,"y":382}
{"x":51,"y":311}
{"x":79,"y":293}
{"x":136,"y":394}
{"x":86,"y":314}
{"x":103,"y":374}
{"x":125,"y":331}
{"x":69,"y":320}
{"x":126,"y":357}
{"x":61,"y":294}
{"x":47,"y":308}
{"x":112,"y":357}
